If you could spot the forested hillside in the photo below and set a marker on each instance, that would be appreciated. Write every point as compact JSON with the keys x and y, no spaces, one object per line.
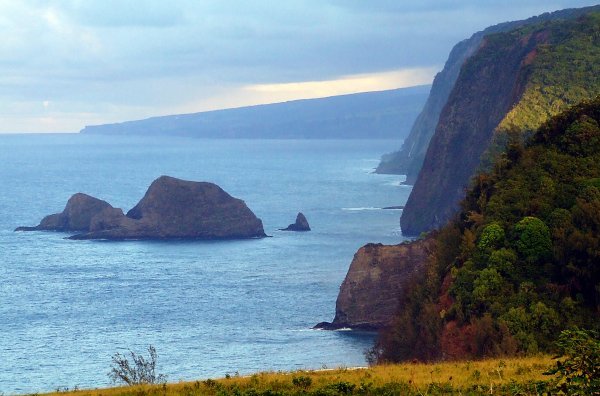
{"x":521,"y":260}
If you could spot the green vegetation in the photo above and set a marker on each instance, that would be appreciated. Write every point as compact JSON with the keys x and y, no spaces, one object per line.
{"x":576,"y":371}
{"x":521,"y":261}
{"x":579,"y":371}
{"x":524,"y":376}
{"x":559,"y":71}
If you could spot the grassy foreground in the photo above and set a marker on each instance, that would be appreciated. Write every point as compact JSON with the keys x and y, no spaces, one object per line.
{"x":521,"y":376}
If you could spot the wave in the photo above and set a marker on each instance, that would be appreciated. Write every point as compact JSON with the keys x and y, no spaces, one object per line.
{"x":360,"y":209}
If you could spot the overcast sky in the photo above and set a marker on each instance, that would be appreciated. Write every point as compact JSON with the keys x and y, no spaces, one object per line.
{"x":70,"y":63}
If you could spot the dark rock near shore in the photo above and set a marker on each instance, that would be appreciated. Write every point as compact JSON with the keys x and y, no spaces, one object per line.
{"x":171,"y":209}
{"x":368,"y":297}
{"x":301,"y":224}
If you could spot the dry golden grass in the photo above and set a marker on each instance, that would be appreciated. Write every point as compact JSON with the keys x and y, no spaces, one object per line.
{"x":488,"y":374}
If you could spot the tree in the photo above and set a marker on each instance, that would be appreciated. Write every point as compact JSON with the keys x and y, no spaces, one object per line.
{"x":533,"y":239}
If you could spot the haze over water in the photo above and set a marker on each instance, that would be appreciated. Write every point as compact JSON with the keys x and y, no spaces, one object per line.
{"x":210,"y":308}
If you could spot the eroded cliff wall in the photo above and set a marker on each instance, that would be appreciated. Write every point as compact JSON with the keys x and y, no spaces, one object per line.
{"x":514,"y":82}
{"x":409,"y":159}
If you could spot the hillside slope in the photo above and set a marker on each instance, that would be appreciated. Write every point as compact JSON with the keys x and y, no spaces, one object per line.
{"x":512,"y":84}
{"x":372,"y":115}
{"x":409,"y":159}
{"x":521,"y":262}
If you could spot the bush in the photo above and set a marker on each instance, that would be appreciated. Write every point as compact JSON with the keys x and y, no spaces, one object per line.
{"x":302,"y":382}
{"x":578,"y":369}
{"x":136,"y":371}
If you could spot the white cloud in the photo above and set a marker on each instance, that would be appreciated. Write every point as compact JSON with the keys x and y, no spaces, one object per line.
{"x":97,"y":61}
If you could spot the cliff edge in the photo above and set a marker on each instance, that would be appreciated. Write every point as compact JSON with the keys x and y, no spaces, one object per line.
{"x":368,"y":297}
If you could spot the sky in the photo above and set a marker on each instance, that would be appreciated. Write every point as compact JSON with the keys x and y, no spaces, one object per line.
{"x":65,"y":64}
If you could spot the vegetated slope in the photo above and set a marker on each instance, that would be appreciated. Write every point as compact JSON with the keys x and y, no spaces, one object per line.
{"x":373,"y":115}
{"x":521,"y":261}
{"x":409,"y":159}
{"x":514,"y":82}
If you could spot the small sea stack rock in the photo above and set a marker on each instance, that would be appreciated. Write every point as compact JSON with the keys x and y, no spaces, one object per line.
{"x":301,"y":224}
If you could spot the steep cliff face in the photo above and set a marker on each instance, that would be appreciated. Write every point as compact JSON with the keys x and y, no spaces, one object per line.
{"x":409,"y":159}
{"x":369,"y":295}
{"x":514,"y":82}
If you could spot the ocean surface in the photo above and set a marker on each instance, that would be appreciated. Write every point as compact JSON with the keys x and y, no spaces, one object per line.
{"x":209,"y":308}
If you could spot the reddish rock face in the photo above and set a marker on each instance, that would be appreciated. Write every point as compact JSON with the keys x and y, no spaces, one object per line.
{"x":368,"y":297}
{"x":171,"y":209}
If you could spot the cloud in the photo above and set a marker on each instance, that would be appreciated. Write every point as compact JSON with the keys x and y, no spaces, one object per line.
{"x":349,"y":84}
{"x":113,"y":60}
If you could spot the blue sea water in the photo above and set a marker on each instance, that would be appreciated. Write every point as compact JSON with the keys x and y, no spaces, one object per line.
{"x":209,"y":308}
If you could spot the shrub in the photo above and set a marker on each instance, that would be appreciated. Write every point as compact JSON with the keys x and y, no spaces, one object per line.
{"x":136,"y":371}
{"x":302,"y":382}
{"x":578,"y":369}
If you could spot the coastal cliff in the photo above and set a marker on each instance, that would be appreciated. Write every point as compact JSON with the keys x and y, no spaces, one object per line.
{"x":513,"y":83}
{"x":368,"y":297}
{"x":409,"y":159}
{"x":519,"y":263}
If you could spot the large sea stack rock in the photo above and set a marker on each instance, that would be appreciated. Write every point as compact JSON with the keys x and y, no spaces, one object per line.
{"x":510,"y":86}
{"x":174,"y":209}
{"x":368,"y":297}
{"x":77,"y":215}
{"x":301,"y":224}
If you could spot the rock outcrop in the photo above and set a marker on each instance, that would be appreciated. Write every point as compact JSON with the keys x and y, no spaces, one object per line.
{"x":171,"y":209}
{"x":409,"y":159}
{"x":78,"y":215}
{"x":301,"y":224}
{"x":513,"y":83}
{"x":368,"y":297}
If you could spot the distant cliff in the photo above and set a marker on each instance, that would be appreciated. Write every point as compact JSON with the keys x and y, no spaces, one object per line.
{"x":372,"y":115}
{"x":409,"y":159}
{"x":513,"y":83}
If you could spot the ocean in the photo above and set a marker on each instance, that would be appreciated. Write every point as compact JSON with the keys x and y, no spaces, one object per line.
{"x":209,"y":308}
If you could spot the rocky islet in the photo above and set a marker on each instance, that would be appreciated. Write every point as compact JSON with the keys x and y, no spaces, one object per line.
{"x":171,"y":209}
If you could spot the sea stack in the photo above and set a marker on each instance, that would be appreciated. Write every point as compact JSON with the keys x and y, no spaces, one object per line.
{"x":301,"y":224}
{"x":171,"y":209}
